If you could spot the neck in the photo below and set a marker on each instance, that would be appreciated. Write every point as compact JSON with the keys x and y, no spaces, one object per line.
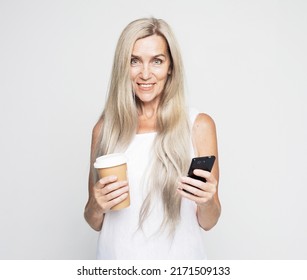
{"x":148,"y":111}
{"x":147,"y":119}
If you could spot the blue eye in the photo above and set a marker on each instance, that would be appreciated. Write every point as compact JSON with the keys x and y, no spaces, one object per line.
{"x":134,"y":61}
{"x":157,"y":61}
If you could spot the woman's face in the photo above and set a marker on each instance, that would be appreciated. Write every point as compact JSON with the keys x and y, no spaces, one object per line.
{"x":149,"y":68}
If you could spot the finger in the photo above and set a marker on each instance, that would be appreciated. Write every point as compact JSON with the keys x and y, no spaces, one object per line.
{"x":107,"y":180}
{"x":189,"y":195}
{"x":116,"y":200}
{"x":190,"y":189}
{"x":193,"y":182}
{"x":116,"y":193}
{"x":186,"y":194}
{"x":198,"y":200}
{"x":113,"y":186}
{"x":205,"y":174}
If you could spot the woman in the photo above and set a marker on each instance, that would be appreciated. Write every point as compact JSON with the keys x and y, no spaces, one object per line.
{"x":145,"y":117}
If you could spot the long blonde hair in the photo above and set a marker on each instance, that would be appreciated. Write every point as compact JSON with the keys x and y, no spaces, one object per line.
{"x":120,"y":119}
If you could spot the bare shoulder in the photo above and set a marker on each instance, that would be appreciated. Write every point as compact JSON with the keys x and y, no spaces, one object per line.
{"x":204,"y":135}
{"x":203,"y":124}
{"x":97,"y":129}
{"x":96,"y":135}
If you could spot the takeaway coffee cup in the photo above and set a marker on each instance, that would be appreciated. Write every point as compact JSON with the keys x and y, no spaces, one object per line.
{"x":114,"y":164}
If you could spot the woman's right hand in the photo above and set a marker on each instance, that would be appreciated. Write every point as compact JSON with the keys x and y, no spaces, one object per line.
{"x":108,"y":192}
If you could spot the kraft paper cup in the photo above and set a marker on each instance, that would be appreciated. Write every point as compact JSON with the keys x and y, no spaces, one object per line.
{"x":114,"y":164}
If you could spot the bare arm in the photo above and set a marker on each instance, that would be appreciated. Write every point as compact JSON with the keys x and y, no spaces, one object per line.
{"x":105,"y":193}
{"x":93,"y":214}
{"x":206,"y":194}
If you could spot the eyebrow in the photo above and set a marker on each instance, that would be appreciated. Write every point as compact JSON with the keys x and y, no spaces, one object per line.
{"x":157,"y":55}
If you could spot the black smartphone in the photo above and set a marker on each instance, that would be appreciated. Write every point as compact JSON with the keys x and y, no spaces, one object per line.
{"x":204,"y":163}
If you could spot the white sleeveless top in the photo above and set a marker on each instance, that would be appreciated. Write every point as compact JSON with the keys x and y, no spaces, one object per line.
{"x":120,"y":237}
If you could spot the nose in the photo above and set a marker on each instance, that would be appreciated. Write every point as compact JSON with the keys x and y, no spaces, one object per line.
{"x":145,"y":72}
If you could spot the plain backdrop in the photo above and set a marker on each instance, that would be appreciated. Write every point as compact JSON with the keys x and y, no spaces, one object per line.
{"x":245,"y":65}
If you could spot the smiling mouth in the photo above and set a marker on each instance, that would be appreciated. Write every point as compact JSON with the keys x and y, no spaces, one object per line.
{"x":146,"y":86}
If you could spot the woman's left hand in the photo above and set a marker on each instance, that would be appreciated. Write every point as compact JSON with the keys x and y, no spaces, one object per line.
{"x":198,"y":191}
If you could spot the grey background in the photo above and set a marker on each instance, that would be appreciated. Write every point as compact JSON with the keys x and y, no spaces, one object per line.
{"x":245,"y":64}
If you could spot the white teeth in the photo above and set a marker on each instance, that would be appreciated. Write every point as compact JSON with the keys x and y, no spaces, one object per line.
{"x":146,"y":85}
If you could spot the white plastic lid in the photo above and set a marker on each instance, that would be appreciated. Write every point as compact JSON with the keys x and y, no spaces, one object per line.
{"x":110,"y":160}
